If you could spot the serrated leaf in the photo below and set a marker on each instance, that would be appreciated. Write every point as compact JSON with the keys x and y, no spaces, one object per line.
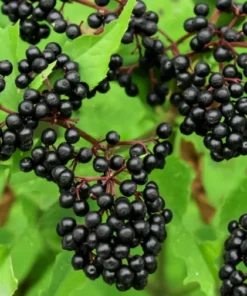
{"x":187,"y":248}
{"x":175,"y":186}
{"x":8,"y":282}
{"x":93,"y":52}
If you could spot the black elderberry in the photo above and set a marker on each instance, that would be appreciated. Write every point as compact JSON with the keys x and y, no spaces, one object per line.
{"x":53,"y":15}
{"x":116,"y":162}
{"x":201,"y":9}
{"x":102,"y":2}
{"x":128,"y":188}
{"x":95,"y":20}
{"x":92,"y":219}
{"x":2,"y":84}
{"x":59,"y":26}
{"x":65,"y":152}
{"x":112,"y":138}
{"x":48,"y":55}
{"x":78,"y":262}
{"x":6,"y":68}
{"x":223,"y":4}
{"x":26,"y":164}
{"x":55,"y":47}
{"x":66,"y":200}
{"x":22,"y":81}
{"x":73,"y":31}
{"x":105,"y":201}
{"x":81,"y":208}
{"x":49,"y":136}
{"x":164,"y":131}
{"x":62,"y":86}
{"x":222,"y":54}
{"x":123,"y":208}
{"x":72,"y":136}
{"x":65,"y":226}
{"x":100,"y":164}
{"x":66,"y":108}
{"x":109,"y":17}
{"x":84,"y":155}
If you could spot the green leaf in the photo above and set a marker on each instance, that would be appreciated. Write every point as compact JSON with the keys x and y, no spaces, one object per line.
{"x":47,"y":225}
{"x":183,"y":240}
{"x":175,"y":181}
{"x":216,"y":174}
{"x":65,"y":281}
{"x":126,"y":115}
{"x":186,"y":247}
{"x":8,"y":282}
{"x":4,"y":22}
{"x":24,"y":241}
{"x":3,"y":178}
{"x":44,"y":194}
{"x":172,"y":15}
{"x":234,"y":206}
{"x":93,"y":52}
{"x":11,"y":96}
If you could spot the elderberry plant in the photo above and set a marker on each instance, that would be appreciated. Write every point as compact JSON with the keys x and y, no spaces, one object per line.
{"x":111,"y":119}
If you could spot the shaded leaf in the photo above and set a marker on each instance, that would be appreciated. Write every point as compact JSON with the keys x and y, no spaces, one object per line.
{"x":8,"y":282}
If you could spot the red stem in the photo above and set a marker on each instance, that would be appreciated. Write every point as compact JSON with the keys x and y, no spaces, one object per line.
{"x":6,"y":110}
{"x":239,"y":44}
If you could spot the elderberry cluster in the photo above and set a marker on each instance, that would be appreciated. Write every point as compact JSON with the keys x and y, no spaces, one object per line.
{"x":32,"y":16}
{"x":125,"y":216}
{"x":234,"y":280}
{"x":35,"y":18}
{"x":142,"y":22}
{"x":144,"y":25}
{"x":54,"y":104}
{"x":213,"y":103}
{"x":6,"y":69}
{"x":217,"y":112}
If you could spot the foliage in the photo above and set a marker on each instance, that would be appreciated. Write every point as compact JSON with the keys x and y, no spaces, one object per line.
{"x":29,"y":249}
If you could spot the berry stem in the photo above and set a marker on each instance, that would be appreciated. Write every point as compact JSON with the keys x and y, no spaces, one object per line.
{"x":215,"y":16}
{"x":124,"y":143}
{"x":185,"y":37}
{"x":239,"y":44}
{"x":6,"y":110}
{"x":90,"y":179}
{"x":64,"y":124}
{"x":168,"y":38}
{"x":233,"y":22}
{"x":153,"y":80}
{"x":2,"y":124}
{"x":138,"y":45}
{"x":129,"y":69}
{"x":174,"y":45}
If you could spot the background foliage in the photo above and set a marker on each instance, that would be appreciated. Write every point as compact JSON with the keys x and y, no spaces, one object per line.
{"x":31,"y":261}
